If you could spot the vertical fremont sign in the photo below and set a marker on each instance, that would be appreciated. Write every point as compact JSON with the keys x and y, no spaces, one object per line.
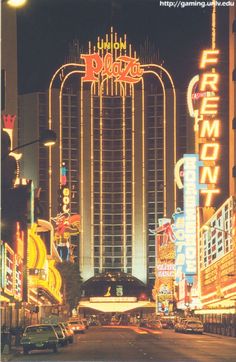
{"x":209,"y":125}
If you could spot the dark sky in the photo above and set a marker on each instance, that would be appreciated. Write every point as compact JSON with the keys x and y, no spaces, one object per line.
{"x":46,"y":27}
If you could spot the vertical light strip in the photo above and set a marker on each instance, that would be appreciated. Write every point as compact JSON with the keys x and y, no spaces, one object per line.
{"x":174,"y":125}
{"x":101,"y":173}
{"x":61,"y":69}
{"x":107,"y":83}
{"x":112,"y":42}
{"x":92,"y":90}
{"x":143,"y":182}
{"x":82,"y":175}
{"x":124,"y":176}
{"x":133,"y":178}
{"x":164,"y":138}
{"x":101,"y":182}
{"x":81,"y":137}
{"x":213,"y":25}
{"x":60,"y":110}
{"x":198,"y":253}
{"x":116,"y":83}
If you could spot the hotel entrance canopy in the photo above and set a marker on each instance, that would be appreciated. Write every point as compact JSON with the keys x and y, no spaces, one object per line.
{"x":115,"y":304}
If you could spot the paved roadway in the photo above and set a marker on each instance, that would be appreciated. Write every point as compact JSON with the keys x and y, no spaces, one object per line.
{"x":102,"y":344}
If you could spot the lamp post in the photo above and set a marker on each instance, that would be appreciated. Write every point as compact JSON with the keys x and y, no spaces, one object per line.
{"x":47,"y":138}
{"x":15,"y":3}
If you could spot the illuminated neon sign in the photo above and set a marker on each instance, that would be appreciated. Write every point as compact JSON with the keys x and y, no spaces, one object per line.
{"x":111,"y":45}
{"x":178,"y":229}
{"x":9,"y":270}
{"x":209,"y":125}
{"x":124,"y":68}
{"x":18,"y":277}
{"x":191,"y":202}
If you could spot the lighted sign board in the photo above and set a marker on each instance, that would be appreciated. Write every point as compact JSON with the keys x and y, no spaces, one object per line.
{"x":18,"y":278}
{"x":2,"y":265}
{"x":191,"y":202}
{"x":124,"y":68}
{"x":178,"y":229}
{"x":209,"y":125}
{"x":66,"y":226}
{"x":165,"y":268}
{"x":9,"y":270}
{"x":112,"y":299}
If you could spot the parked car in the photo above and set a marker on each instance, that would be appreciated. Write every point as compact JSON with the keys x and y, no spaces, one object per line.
{"x":84,"y":320}
{"x":179,"y":325}
{"x":143,"y":323}
{"x":193,"y":326}
{"x":61,"y":335}
{"x":39,"y":336}
{"x":167,"y":323}
{"x":69,"y":332}
{"x":76,"y":325}
{"x":154,"y":324}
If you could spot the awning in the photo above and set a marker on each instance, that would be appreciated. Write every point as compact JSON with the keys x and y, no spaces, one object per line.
{"x":107,"y":307}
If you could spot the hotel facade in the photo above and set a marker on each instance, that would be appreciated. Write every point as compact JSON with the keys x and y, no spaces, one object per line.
{"x":116,"y":121}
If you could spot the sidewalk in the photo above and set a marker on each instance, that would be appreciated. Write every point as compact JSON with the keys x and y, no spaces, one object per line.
{"x":218,"y":335}
{"x":5,"y":357}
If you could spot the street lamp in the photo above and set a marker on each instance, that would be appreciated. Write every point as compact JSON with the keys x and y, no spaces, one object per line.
{"x":47,"y":138}
{"x":15,"y":3}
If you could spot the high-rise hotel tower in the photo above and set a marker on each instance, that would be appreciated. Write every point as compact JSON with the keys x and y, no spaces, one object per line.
{"x":116,"y":124}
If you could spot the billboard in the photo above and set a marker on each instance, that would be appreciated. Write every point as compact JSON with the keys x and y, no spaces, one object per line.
{"x":165,"y":266}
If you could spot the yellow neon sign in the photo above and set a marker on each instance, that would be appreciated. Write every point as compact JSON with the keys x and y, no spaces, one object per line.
{"x":210,"y":129}
{"x":209,"y":106}
{"x":209,"y":125}
{"x":210,"y":81}
{"x":209,"y":56}
{"x":210,"y":151}
{"x":210,"y":175}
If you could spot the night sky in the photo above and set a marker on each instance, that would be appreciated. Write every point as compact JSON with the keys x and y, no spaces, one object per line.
{"x":46,"y":27}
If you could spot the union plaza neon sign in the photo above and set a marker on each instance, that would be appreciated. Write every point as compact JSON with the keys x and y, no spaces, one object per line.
{"x":124,"y":68}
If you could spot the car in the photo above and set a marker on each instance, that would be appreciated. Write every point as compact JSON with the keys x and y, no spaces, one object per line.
{"x":167,"y":323}
{"x":61,"y":335}
{"x":68,"y":331}
{"x":143,"y":322}
{"x":39,"y":336}
{"x":179,"y":326}
{"x":84,"y":320}
{"x":76,"y":325}
{"x":154,"y":324}
{"x":194,"y":326}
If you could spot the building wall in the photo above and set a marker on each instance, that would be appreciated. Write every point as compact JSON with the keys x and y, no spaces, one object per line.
{"x":135,"y":254}
{"x":9,"y":64}
{"x":232,"y":100}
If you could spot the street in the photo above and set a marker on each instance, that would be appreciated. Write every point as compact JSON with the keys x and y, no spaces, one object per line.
{"x":108,"y":344}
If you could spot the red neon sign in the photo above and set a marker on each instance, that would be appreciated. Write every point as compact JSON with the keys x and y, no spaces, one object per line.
{"x":124,"y":68}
